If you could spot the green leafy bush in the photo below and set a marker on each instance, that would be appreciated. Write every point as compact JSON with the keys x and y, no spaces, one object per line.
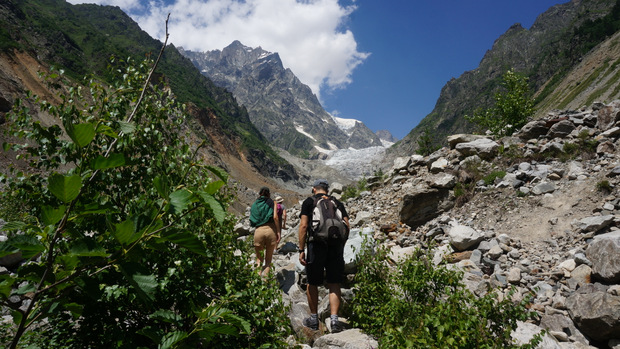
{"x":421,"y":305}
{"x":512,"y":108}
{"x":127,"y":242}
{"x":354,"y":190}
{"x":427,"y":143}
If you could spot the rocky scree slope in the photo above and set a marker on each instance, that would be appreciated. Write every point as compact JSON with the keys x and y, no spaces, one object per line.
{"x":545,"y":53}
{"x":548,"y":223}
{"x":282,"y":107}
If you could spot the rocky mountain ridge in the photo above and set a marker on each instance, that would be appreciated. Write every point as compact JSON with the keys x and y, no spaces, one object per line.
{"x":282,"y":107}
{"x":546,"y":223}
{"x":544,"y":53}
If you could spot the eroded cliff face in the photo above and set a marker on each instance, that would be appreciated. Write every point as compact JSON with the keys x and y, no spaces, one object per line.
{"x":544,"y":53}
{"x":282,"y":107}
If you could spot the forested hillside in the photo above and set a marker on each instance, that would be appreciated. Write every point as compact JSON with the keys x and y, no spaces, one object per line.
{"x":81,"y":40}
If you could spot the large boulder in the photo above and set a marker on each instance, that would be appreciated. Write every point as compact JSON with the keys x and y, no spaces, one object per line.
{"x":463,"y":237}
{"x":423,"y":204}
{"x":353,"y":247}
{"x":453,"y":140}
{"x":596,"y":314}
{"x":604,"y":253}
{"x":485,"y":148}
{"x":561,"y":129}
{"x":533,"y":130}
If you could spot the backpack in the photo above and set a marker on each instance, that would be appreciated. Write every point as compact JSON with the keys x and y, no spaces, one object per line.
{"x":261,"y":211}
{"x":327,"y":223}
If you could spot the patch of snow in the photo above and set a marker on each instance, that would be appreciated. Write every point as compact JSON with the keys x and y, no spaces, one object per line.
{"x":332,"y":146}
{"x":300,"y":129}
{"x":386,"y":144}
{"x":345,"y":124}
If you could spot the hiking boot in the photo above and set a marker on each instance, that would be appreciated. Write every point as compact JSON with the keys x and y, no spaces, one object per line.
{"x":336,"y":326}
{"x":311,"y":324}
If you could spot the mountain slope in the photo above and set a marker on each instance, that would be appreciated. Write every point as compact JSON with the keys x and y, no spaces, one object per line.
{"x":80,"y":39}
{"x":282,"y":108}
{"x":545,"y":53}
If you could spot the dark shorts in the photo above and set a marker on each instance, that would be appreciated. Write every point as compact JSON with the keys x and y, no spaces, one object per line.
{"x":325,"y":258}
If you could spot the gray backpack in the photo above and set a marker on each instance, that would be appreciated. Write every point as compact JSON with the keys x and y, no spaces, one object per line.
{"x":327,"y":223}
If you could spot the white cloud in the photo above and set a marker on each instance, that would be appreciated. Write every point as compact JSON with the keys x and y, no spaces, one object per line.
{"x":309,"y":35}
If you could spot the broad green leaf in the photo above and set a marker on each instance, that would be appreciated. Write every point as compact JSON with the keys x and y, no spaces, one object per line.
{"x":238,"y":321}
{"x":28,"y":245}
{"x":219,"y":172}
{"x":113,"y":160}
{"x":106,"y":130}
{"x":221,"y":328}
{"x":17,"y":316}
{"x":14,"y":226}
{"x":218,"y":211}
{"x":144,"y":283}
{"x":213,"y":187}
{"x":166,"y":315}
{"x":181,"y":199}
{"x":75,"y":309}
{"x":65,"y":187}
{"x":51,"y":215}
{"x":125,"y":232}
{"x":81,"y":134}
{"x":127,"y":127}
{"x":171,"y":339}
{"x":6,"y":285}
{"x":187,"y":240}
{"x":87,"y":247}
{"x":161,"y":185}
{"x":26,"y":288}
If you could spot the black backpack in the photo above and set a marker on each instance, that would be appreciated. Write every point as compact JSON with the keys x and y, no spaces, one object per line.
{"x":327,"y":224}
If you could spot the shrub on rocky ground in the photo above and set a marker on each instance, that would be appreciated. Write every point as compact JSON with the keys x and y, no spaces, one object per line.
{"x":423,"y":305}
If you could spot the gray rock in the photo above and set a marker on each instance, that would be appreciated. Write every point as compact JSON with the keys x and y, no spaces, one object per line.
{"x":453,"y":140}
{"x":526,"y":331}
{"x":604,"y":252}
{"x":463,"y":237}
{"x":439,"y":165}
{"x":485,"y":148}
{"x":353,"y":247}
{"x":544,"y":188}
{"x":564,"y":324}
{"x":423,"y":204}
{"x":442,"y":181}
{"x":348,"y":339}
{"x":596,"y":314}
{"x":401,"y":163}
{"x":594,"y":223}
{"x":561,"y":129}
{"x":532,"y":130}
{"x":580,"y":276}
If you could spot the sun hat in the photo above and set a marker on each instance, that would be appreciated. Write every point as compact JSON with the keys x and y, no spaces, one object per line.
{"x":279,"y":199}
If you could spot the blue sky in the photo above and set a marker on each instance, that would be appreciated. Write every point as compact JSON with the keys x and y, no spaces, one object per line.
{"x":381,"y":62}
{"x":416,"y":47}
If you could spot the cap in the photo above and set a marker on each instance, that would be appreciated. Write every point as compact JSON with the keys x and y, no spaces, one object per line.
{"x":321,"y":182}
{"x":279,"y":199}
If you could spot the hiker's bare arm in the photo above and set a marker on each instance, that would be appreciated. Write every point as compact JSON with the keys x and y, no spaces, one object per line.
{"x":303,"y":229}
{"x":277,"y":220}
